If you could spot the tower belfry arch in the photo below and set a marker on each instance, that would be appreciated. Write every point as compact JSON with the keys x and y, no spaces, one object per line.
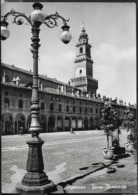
{"x":83,"y":74}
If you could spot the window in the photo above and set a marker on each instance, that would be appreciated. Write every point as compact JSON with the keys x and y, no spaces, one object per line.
{"x":74,"y":109}
{"x":80,"y":110}
{"x":6,"y":102}
{"x":42,"y":105}
{"x":85,"y":110}
{"x":96,"y":110}
{"x":81,"y":50}
{"x":80,"y":71}
{"x":6,"y":93}
{"x":60,"y":108}
{"x":20,"y":104}
{"x":51,"y":106}
{"x":91,"y":110}
{"x":67,"y":108}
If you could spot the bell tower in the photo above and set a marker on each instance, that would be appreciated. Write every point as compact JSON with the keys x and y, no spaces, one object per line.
{"x":83,"y":74}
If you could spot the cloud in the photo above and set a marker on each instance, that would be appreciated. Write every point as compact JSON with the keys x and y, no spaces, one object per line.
{"x":108,"y":53}
{"x":115,"y":69}
{"x":60,"y":65}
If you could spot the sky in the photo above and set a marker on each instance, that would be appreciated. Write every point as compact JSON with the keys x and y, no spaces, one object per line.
{"x":111,"y":28}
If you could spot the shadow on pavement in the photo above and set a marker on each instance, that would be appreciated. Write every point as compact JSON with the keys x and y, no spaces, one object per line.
{"x":95,"y":168}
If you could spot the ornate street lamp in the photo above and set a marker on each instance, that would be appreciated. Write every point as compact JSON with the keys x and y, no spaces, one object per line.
{"x":35,"y":180}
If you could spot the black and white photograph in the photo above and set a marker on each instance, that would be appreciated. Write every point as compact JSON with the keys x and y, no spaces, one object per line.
{"x":68,"y":97}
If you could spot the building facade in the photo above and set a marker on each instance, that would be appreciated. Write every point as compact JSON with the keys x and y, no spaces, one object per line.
{"x":61,"y":104}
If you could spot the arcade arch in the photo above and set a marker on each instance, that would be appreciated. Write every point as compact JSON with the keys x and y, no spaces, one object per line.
{"x":7,"y":123}
{"x":67,"y":123}
{"x":42,"y":121}
{"x":51,"y":123}
{"x":20,"y":121}
{"x":80,"y":123}
{"x":86,"y":123}
{"x":91,"y":123}
{"x":59,"y":123}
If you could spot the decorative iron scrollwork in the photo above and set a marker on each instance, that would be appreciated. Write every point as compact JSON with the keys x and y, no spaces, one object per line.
{"x":51,"y":20}
{"x":17,"y":15}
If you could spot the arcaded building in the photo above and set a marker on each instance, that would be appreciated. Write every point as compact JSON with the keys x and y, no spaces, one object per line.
{"x":60,"y":103}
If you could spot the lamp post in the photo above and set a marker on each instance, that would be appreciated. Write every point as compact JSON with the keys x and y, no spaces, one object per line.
{"x":35,"y":180}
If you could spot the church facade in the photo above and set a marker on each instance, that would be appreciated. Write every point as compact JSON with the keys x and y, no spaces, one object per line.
{"x":61,"y":105}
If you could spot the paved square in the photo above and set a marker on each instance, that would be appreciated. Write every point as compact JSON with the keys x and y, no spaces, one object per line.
{"x":69,"y":162}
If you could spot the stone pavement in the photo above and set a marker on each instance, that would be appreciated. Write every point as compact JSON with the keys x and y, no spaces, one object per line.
{"x":86,"y":176}
{"x":89,"y":179}
{"x":99,"y":181}
{"x":122,"y":178}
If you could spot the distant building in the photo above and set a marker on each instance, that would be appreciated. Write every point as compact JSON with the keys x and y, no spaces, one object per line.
{"x":58,"y":100}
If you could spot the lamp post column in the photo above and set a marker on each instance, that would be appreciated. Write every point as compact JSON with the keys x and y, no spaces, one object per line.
{"x":35,"y":176}
{"x":35,"y":126}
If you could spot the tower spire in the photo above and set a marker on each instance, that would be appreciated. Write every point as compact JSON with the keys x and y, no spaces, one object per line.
{"x":83,"y":27}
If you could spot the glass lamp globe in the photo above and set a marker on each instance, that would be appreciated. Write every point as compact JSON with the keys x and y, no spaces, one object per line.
{"x":37,"y":15}
{"x":5,"y":33}
{"x":65,"y":35}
